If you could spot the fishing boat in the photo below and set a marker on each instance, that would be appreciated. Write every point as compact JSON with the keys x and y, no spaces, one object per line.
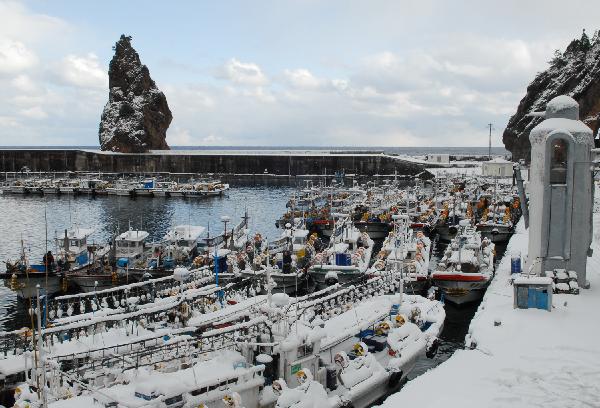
{"x":164,"y":188}
{"x":91,"y":186}
{"x":406,"y":253}
{"x":447,"y":225}
{"x":178,"y":247}
{"x":69,"y":186}
{"x":291,"y":254}
{"x":49,"y":187}
{"x":121,"y":187}
{"x":205,"y":189}
{"x":22,"y":277}
{"x":345,"y":260}
{"x":145,"y":188}
{"x":467,"y":267}
{"x":128,"y":249}
{"x":353,"y":353}
{"x":497,"y":220}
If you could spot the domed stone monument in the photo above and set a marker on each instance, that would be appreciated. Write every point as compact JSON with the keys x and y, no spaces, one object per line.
{"x":561,"y":191}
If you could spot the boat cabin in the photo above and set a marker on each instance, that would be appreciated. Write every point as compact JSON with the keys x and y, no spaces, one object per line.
{"x":130,"y":244}
{"x":208,"y":244}
{"x":184,"y":236}
{"x":74,"y":244}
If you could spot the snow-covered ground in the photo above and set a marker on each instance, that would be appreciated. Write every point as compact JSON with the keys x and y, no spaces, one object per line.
{"x":533,"y":358}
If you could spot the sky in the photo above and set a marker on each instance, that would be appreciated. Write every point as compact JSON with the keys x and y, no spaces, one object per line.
{"x":284,"y":73}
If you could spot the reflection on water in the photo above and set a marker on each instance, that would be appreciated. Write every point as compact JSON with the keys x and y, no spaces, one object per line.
{"x":24,"y":218}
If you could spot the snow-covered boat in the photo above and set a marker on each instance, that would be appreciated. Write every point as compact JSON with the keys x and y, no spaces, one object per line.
{"x":497,"y":220}
{"x":465,"y":271}
{"x":345,"y":260}
{"x":405,"y":252}
{"x":179,"y":246}
{"x":352,"y":354}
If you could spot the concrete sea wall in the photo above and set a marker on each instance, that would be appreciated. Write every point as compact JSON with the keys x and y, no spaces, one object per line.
{"x":203,"y":162}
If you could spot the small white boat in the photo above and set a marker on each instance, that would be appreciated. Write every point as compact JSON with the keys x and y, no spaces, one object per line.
{"x":145,"y":188}
{"x":120,"y":188}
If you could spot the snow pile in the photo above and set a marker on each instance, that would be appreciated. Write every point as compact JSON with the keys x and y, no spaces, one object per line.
{"x":533,"y":358}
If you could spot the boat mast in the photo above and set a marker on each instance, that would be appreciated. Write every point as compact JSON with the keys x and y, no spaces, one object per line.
{"x":40,"y":351}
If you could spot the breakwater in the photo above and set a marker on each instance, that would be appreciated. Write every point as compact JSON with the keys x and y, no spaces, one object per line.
{"x":279,"y":163}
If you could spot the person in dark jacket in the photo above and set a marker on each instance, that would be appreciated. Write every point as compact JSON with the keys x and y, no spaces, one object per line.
{"x":48,"y":260}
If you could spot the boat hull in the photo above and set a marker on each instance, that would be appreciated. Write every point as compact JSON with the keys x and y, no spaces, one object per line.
{"x":496,"y":234}
{"x":447,"y":232}
{"x":318,"y":275}
{"x":27,"y":288}
{"x":87,"y":282}
{"x":416,"y":286}
{"x":376,"y":230}
{"x":285,"y":283}
{"x":460,"y":289}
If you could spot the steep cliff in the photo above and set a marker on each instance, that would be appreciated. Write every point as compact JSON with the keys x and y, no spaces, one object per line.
{"x":575,"y":72}
{"x":136,"y":117}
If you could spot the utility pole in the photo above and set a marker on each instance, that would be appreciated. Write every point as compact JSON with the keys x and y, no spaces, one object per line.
{"x":490,"y":142}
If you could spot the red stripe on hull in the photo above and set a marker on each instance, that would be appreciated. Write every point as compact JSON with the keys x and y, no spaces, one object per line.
{"x":460,"y":278}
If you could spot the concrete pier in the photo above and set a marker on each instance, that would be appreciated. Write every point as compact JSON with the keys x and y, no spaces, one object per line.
{"x":225,"y":162}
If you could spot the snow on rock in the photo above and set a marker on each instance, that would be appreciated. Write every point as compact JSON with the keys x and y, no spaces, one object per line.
{"x":576,"y":73}
{"x":534,"y":358}
{"x":136,"y":116}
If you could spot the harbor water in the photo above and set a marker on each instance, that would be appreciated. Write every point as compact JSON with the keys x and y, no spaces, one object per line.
{"x":32,"y":218}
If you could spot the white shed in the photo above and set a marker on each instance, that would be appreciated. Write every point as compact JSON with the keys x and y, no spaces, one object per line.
{"x":438,"y":158}
{"x":497,"y":167}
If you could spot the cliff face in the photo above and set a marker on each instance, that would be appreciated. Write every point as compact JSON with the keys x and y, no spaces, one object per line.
{"x":136,"y":116}
{"x":576,"y":73}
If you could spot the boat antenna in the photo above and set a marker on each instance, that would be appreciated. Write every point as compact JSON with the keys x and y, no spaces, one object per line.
{"x":70,"y":215}
{"x":490,"y":125}
{"x":46,"y":257}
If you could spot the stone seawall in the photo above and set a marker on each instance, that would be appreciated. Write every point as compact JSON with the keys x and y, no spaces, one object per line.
{"x":284,"y":163}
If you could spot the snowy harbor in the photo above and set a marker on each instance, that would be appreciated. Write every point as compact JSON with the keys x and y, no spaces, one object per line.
{"x":299,"y":204}
{"x":150,"y":305}
{"x":513,"y":357}
{"x":342,"y":309}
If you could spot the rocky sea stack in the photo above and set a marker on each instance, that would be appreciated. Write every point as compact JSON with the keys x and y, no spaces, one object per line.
{"x":136,"y":116}
{"x":576,"y":73}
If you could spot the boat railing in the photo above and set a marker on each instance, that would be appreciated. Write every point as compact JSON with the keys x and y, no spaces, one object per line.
{"x":348,"y":294}
{"x":144,"y":291}
{"x":199,"y":300}
{"x":181,"y":343}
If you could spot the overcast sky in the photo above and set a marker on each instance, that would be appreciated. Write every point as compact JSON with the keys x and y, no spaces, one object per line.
{"x":378,"y":73}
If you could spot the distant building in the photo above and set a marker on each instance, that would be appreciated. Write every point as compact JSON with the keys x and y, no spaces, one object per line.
{"x":497,"y":167}
{"x":438,"y":158}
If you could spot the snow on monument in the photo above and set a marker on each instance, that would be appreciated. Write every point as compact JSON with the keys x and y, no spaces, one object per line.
{"x":561,"y":191}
